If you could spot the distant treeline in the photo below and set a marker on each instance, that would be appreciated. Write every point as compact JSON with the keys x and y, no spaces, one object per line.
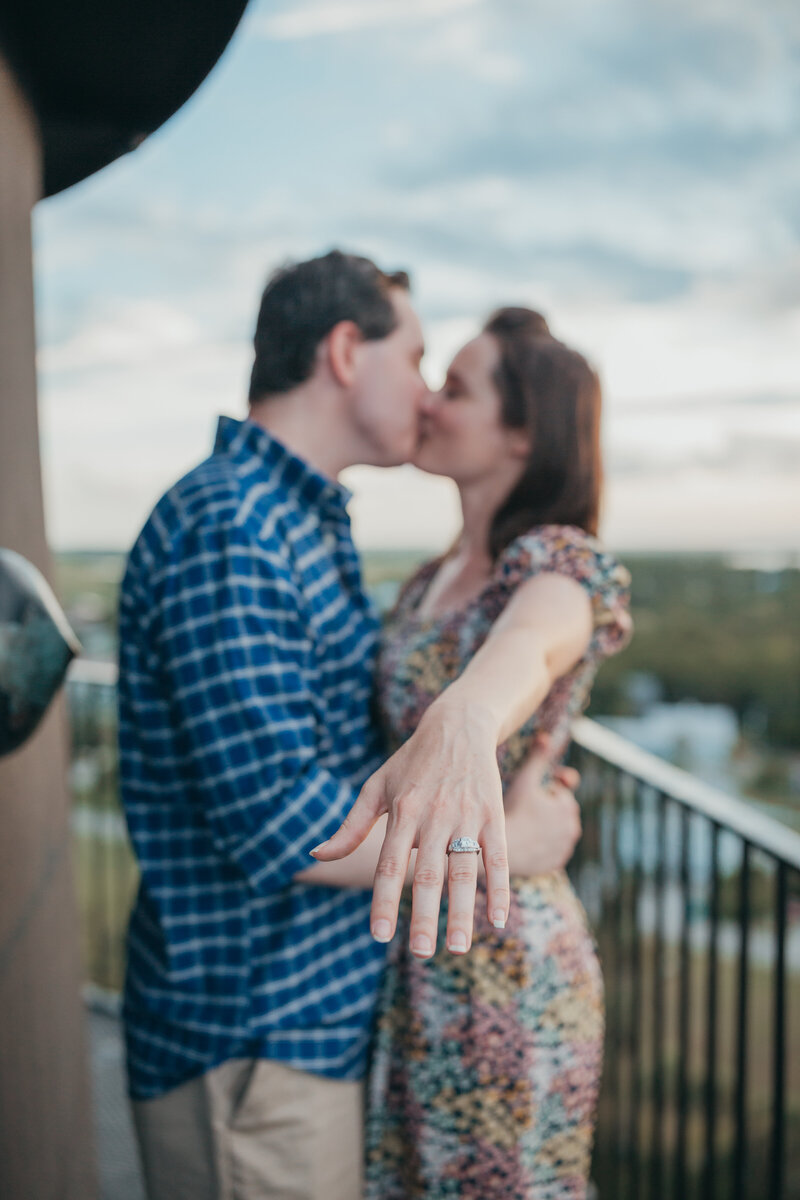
{"x":711,"y":632}
{"x":705,"y":630}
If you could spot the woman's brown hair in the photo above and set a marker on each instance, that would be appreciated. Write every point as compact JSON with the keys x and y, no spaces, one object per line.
{"x":552,"y":392}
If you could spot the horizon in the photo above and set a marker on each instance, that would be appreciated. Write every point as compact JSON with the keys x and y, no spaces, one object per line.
{"x":758,"y":559}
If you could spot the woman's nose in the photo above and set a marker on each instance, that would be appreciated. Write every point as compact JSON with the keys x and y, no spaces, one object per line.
{"x":428,"y":402}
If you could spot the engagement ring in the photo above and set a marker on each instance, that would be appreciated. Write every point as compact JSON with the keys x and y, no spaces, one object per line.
{"x":464,"y":845}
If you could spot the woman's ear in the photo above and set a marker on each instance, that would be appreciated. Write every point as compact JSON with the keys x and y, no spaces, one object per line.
{"x":342,"y":346}
{"x":519,"y":442}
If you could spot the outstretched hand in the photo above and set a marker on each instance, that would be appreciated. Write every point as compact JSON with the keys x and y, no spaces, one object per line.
{"x":442,"y":784}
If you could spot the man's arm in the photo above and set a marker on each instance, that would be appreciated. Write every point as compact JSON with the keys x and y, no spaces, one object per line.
{"x":444,"y":782}
{"x":235,"y":658}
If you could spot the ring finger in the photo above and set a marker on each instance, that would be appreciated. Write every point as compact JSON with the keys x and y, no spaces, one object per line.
{"x":462,"y":877}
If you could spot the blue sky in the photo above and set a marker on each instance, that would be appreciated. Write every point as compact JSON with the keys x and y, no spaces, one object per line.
{"x":633,"y":170}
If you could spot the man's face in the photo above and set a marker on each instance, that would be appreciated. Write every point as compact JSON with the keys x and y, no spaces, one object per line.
{"x":389,"y":390}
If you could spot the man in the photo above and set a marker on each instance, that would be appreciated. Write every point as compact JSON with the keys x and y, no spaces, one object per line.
{"x":246,"y":656}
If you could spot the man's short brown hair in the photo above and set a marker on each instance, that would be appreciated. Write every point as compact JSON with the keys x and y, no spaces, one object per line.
{"x":300,"y":306}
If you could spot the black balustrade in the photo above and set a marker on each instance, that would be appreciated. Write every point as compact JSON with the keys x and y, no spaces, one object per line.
{"x":694,"y":898}
{"x":698,"y":927}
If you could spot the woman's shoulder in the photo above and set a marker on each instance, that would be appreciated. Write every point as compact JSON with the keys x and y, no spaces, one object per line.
{"x":567,"y":548}
{"x":571,"y":551}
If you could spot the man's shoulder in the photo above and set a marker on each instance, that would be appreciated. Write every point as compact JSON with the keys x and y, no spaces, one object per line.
{"x":205,"y":496}
{"x":208,"y":496}
{"x":213,"y":505}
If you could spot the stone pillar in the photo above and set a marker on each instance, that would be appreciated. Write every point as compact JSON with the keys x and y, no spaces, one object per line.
{"x":45,"y":1111}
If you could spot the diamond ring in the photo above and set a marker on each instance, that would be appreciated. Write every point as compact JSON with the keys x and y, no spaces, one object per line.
{"x":464,"y":845}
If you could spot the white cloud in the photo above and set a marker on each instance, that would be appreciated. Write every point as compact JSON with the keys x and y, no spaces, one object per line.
{"x":117,"y":433}
{"x":346,"y":16}
{"x":467,"y":44}
{"x":702,"y":509}
{"x":124,"y":334}
{"x":716,"y":340}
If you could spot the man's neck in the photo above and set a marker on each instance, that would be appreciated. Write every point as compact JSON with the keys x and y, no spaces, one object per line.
{"x":307,"y":423}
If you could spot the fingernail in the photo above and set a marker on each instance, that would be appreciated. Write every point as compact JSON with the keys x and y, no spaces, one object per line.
{"x":319,"y":847}
{"x":457,"y":943}
{"x":382,"y":931}
{"x":499,"y":918}
{"x":422,"y":947}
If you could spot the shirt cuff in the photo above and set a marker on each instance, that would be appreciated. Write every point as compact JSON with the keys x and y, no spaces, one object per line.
{"x":311,"y":815}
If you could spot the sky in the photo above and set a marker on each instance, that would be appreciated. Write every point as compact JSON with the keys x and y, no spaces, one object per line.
{"x":631,"y":170}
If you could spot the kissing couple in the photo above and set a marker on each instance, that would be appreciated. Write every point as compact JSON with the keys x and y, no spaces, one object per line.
{"x":293,"y":1031}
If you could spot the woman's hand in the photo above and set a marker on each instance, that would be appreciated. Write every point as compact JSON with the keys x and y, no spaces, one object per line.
{"x":543,"y":833}
{"x":543,"y":821}
{"x":441,"y":784}
{"x":444,"y":782}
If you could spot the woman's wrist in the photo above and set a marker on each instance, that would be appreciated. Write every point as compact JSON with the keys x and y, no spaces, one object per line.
{"x":463,"y":713}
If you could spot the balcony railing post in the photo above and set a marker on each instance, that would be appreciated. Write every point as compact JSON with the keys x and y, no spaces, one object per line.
{"x":679,"y":1190}
{"x":635,"y":1024}
{"x":779,"y":1038}
{"x":740,"y":1149}
{"x":659,"y":983}
{"x":710,"y":1174}
{"x":617,"y":1005}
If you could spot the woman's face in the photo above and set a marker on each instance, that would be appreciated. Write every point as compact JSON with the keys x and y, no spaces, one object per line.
{"x":461,"y":432}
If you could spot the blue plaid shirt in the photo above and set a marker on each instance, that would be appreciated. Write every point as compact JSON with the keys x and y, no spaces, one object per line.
{"x":247,"y":648}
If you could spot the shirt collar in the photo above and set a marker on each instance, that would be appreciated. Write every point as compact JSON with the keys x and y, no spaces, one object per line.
{"x":249,"y":444}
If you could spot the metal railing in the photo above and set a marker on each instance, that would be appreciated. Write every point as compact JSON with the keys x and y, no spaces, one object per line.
{"x":694,"y":898}
{"x":105,"y":868}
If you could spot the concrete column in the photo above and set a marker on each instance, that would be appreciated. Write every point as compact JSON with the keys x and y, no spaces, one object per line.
{"x":45,"y":1112}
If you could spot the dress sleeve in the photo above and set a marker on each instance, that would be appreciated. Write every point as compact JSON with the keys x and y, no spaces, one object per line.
{"x":567,"y":550}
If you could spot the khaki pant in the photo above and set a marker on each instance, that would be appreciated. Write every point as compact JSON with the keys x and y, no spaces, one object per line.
{"x":252,"y":1129}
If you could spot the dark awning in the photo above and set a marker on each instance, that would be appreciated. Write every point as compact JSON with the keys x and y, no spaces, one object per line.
{"x":103,"y":74}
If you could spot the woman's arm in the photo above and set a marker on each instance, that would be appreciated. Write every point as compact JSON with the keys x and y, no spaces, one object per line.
{"x":449,"y":766}
{"x":541,"y":634}
{"x":444,"y":781}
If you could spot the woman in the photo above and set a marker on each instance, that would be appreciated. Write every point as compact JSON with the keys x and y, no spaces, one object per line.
{"x":486,"y":1065}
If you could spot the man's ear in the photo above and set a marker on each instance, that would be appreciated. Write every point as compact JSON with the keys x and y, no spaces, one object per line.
{"x":343,"y":343}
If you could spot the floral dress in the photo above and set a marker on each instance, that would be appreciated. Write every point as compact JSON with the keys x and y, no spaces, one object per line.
{"x":486,"y":1066}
